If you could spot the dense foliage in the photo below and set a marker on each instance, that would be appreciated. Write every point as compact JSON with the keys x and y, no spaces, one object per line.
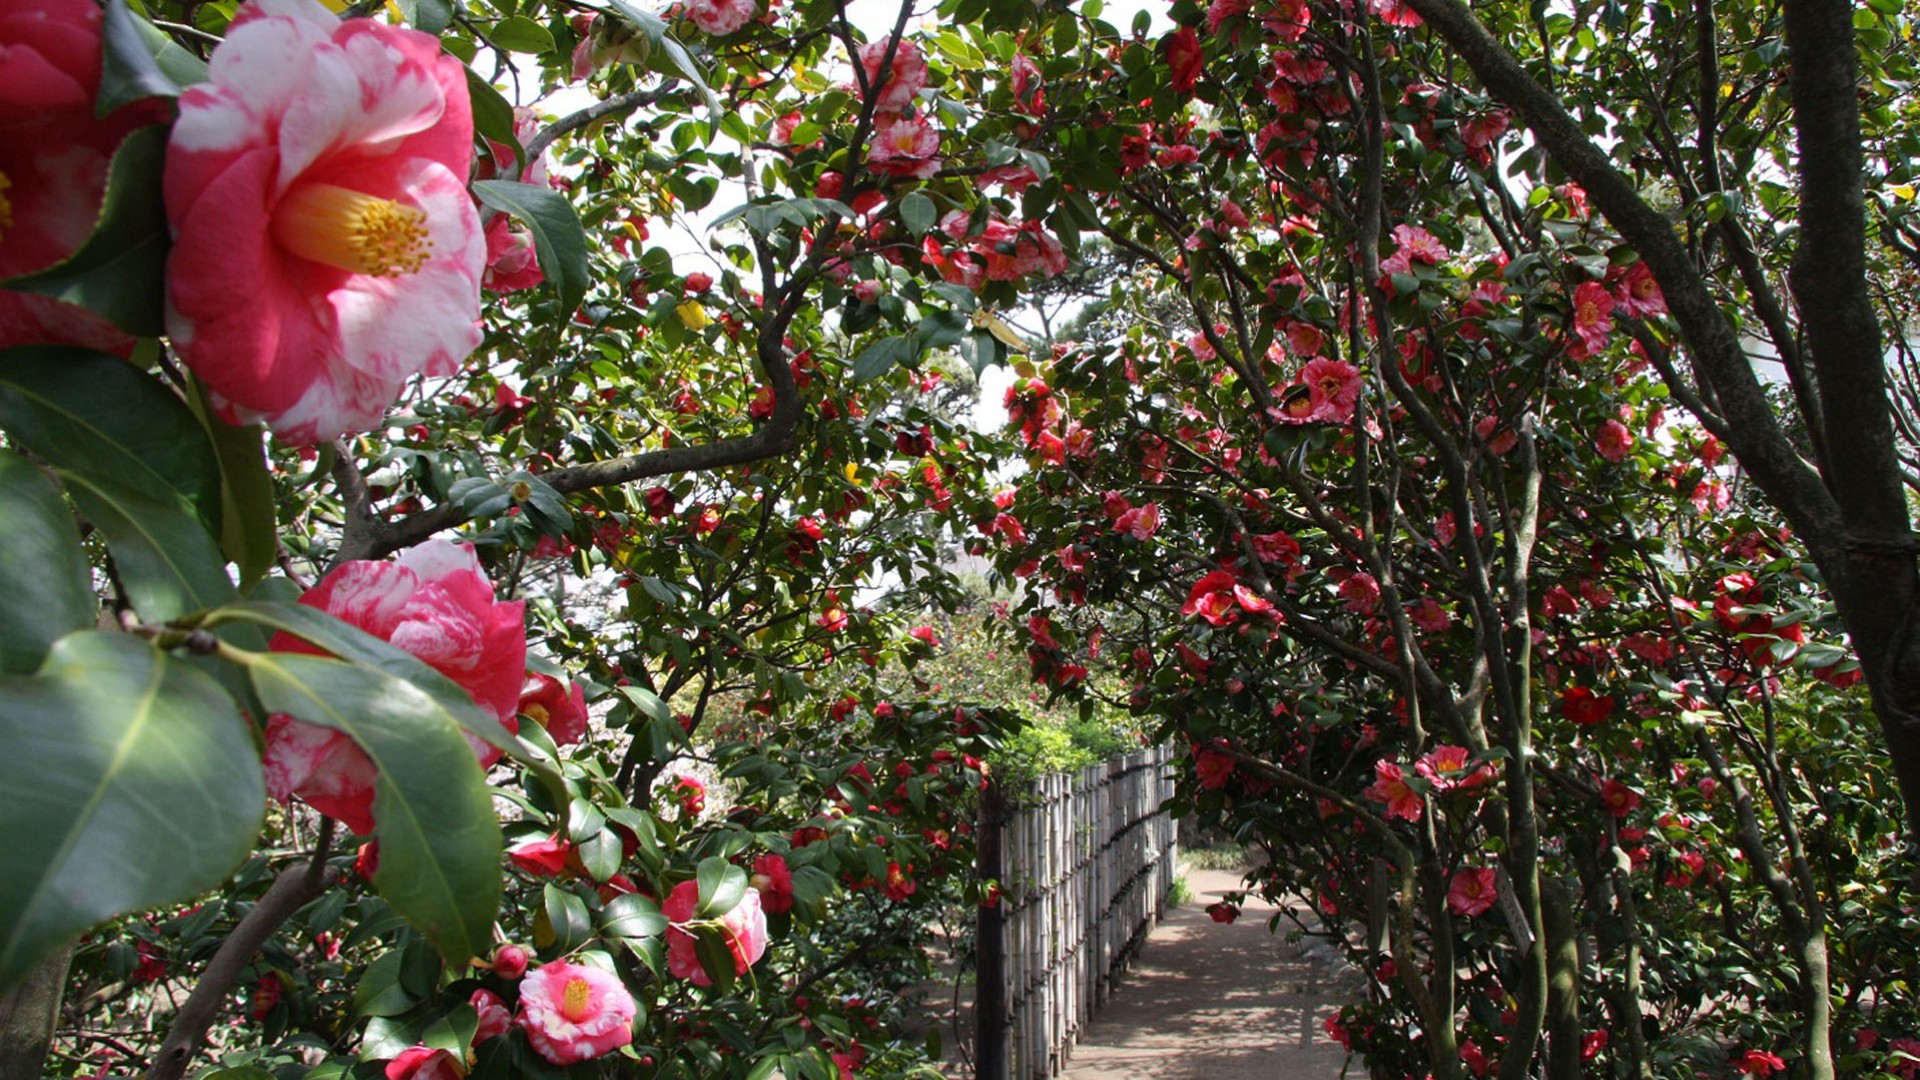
{"x":479,"y":480}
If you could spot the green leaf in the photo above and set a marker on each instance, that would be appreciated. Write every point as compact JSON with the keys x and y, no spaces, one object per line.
{"x":918,"y":213}
{"x":632,"y":916}
{"x":429,"y":16}
{"x":349,"y":642}
{"x":380,"y":993}
{"x":668,"y":56}
{"x":440,"y":847}
{"x":97,"y":415}
{"x":131,"y":781}
{"x":716,"y":959}
{"x":138,"y":61}
{"x":881,"y":357}
{"x":45,"y":589}
{"x":120,"y":272}
{"x":168,"y":563}
{"x":522,"y":35}
{"x":493,"y":115}
{"x":249,"y":516}
{"x":722,"y":885}
{"x":557,"y":234}
{"x":567,"y":916}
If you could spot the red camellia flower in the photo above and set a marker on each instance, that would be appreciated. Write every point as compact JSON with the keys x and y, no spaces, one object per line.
{"x":1759,"y":1063}
{"x":1619,"y":799}
{"x":425,"y":1063}
{"x":1614,"y":441}
{"x":1584,"y":707}
{"x":544,"y":857}
{"x":559,"y":707}
{"x":1390,"y":788}
{"x":691,"y":794}
{"x":1184,"y":58}
{"x":775,"y":882}
{"x":325,"y":247}
{"x":573,"y":1012}
{"x":745,"y":929}
{"x":433,"y":602}
{"x":1219,"y":598}
{"x":53,"y":163}
{"x":1472,"y":891}
{"x":1214,"y":768}
{"x":1222,"y":912}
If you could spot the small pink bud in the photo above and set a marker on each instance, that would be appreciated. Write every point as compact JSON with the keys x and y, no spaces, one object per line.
{"x":510,"y":961}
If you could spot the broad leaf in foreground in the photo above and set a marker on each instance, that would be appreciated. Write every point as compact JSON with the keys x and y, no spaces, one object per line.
{"x":127,"y":780}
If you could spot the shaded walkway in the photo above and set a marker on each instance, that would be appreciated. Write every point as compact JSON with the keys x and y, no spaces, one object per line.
{"x":1207,"y":1001}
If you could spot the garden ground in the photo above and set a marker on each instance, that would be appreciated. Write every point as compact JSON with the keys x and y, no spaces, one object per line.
{"x":1212,"y":1001}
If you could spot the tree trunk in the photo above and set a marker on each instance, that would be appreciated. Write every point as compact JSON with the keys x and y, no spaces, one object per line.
{"x":28,"y":1015}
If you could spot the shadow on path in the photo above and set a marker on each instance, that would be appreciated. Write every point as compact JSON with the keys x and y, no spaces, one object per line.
{"x":1212,"y":1001}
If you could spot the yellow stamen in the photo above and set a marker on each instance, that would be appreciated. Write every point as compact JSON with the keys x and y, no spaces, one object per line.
{"x":575,"y":1000}
{"x":352,"y":230}
{"x":6,"y":205}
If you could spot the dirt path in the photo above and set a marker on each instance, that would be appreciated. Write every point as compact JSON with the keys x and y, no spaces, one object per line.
{"x":1208,"y":1001}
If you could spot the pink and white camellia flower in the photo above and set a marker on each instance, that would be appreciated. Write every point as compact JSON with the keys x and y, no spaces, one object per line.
{"x":721,"y":17}
{"x":433,"y":602}
{"x":904,"y":146}
{"x":53,"y":163}
{"x":745,"y":928}
{"x":907,"y":74}
{"x":573,"y":1012}
{"x":325,"y":247}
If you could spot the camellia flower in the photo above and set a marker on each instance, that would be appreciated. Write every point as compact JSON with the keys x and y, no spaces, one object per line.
{"x":774,"y":882}
{"x":424,"y":1063}
{"x":325,"y":247}
{"x":745,"y":929}
{"x":559,"y":707}
{"x":53,"y":163}
{"x":1390,"y":788}
{"x":1184,"y":58}
{"x":1219,"y":598}
{"x":1584,"y":707}
{"x":1222,"y":912}
{"x":493,"y":1016}
{"x":905,"y":146}
{"x":545,"y":856}
{"x":1759,"y":1063}
{"x":1614,"y":441}
{"x":720,"y":17}
{"x":906,"y":76}
{"x":433,"y":602}
{"x":573,"y":1012}
{"x":1214,"y":768}
{"x":1472,"y":891}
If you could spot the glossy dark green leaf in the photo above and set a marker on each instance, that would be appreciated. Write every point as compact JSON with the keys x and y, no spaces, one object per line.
{"x":568,"y":918}
{"x":120,"y":271}
{"x":163,"y":556}
{"x":522,"y":35}
{"x":138,"y":61}
{"x":881,"y":357}
{"x":716,"y":959}
{"x":632,"y":916}
{"x":380,"y":993}
{"x":46,"y":592}
{"x":557,"y":235}
{"x":129,"y":781}
{"x":97,"y":415}
{"x":493,"y":115}
{"x":249,"y":517}
{"x":439,"y":844}
{"x":722,"y":885}
{"x":429,"y":16}
{"x":918,"y":213}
